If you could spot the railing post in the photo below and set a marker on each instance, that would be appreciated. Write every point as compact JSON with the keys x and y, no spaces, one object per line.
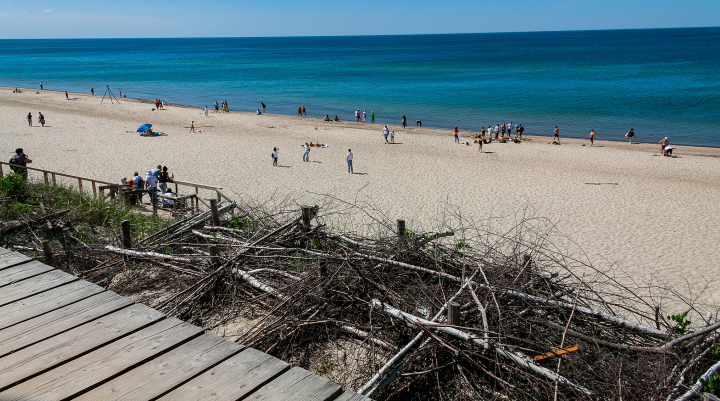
{"x":218,"y":195}
{"x":45,"y":175}
{"x":125,"y":226}
{"x":214,"y":211}
{"x":47,"y":253}
{"x":54,"y":182}
{"x":453,"y":314}
{"x":80,"y":184}
{"x":400,"y":228}
{"x":1,"y":172}
{"x":155,"y":204}
{"x":94,"y":190}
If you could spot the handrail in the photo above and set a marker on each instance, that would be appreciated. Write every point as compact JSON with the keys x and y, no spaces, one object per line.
{"x":190,"y":184}
{"x":56,"y":173}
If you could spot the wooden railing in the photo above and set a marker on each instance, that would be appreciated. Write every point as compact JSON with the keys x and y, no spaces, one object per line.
{"x":195,"y":198}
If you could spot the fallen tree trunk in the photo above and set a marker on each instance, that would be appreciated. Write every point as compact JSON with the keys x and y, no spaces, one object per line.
{"x":147,"y":255}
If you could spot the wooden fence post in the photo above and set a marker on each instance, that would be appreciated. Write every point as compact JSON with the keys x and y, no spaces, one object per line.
{"x":218,"y":195}
{"x":1,"y":172}
{"x":80,"y":184}
{"x":214,"y":255}
{"x":54,"y":181}
{"x":400,"y":228}
{"x":453,"y":314}
{"x":94,"y":189}
{"x":45,"y":175}
{"x":47,"y":253}
{"x":125,"y":226}
{"x":306,"y":217}
{"x":214,"y":211}
{"x":155,"y":203}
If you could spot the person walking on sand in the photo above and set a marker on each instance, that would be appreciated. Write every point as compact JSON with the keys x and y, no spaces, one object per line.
{"x":206,"y":111}
{"x":392,"y":136}
{"x":404,"y":121}
{"x":192,"y":126}
{"x":349,"y":159}
{"x":364,"y":115}
{"x":66,"y":95}
{"x":556,"y":137}
{"x":457,"y":139}
{"x":29,"y":118}
{"x":592,"y":137}
{"x":92,"y":91}
{"x":357,"y":115}
{"x":386,"y":132}
{"x":303,"y":111}
{"x":41,"y":86}
{"x":275,"y":156}
{"x":372,"y":117}
{"x":630,"y":135}
{"x":306,"y":155}
{"x":263,"y":107}
{"x":41,"y":119}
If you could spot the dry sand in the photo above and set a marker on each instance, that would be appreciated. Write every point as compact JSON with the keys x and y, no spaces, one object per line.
{"x":661,"y":218}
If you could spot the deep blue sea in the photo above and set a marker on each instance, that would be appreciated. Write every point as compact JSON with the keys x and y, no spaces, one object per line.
{"x":661,"y":82}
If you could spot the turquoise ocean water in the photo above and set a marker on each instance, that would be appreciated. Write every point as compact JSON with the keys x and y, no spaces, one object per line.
{"x":661,"y":82}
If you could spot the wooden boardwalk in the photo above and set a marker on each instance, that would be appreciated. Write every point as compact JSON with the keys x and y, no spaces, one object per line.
{"x":64,"y":338}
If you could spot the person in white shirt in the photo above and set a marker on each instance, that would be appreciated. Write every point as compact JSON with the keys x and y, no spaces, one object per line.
{"x":169,"y":202}
{"x":151,"y":182}
{"x":206,"y":111}
{"x":349,"y":159}
{"x":275,"y":156}
{"x":497,"y":131}
{"x":510,"y":128}
{"x":306,"y":155}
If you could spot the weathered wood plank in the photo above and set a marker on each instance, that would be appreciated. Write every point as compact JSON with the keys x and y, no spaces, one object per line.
{"x":47,"y":354}
{"x":166,"y":371}
{"x":42,"y":282}
{"x":297,"y":384}
{"x":21,"y":272}
{"x":231,"y":379}
{"x":47,"y":301}
{"x":72,"y":378}
{"x":352,"y":396}
{"x":53,"y":323}
{"x":9,"y":258}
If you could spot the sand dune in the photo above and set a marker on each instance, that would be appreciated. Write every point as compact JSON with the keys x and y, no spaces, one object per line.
{"x":620,"y":203}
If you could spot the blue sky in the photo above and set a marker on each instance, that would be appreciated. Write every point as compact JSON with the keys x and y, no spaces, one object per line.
{"x":183,"y":18}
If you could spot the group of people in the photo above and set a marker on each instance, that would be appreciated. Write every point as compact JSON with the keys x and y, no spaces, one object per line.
{"x":155,"y":180}
{"x":390,"y":133}
{"x":41,"y":118}
{"x":363,"y":118}
{"x":223,"y":104}
{"x":301,"y":111}
{"x":160,"y":104}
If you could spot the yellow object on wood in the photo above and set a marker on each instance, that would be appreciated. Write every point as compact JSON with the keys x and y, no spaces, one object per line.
{"x":557,"y":352}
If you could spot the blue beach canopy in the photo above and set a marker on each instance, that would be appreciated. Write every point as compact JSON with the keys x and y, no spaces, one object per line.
{"x":144,"y":127}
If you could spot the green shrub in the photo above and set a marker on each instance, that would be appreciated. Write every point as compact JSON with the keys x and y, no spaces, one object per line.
{"x":681,"y":324}
{"x":13,"y":185}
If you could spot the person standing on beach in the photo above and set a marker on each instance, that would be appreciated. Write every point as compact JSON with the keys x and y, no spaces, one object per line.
{"x":192,"y":126}
{"x":274,"y":156}
{"x":372,"y":117}
{"x":20,"y":159}
{"x":41,"y":86}
{"x":66,"y":95}
{"x":521,"y":131}
{"x":592,"y":137}
{"x":457,"y":139}
{"x":556,"y":137}
{"x":227,"y":108}
{"x":502,"y":129}
{"x":306,"y":155}
{"x":392,"y":136}
{"x":299,"y":111}
{"x":349,"y":159}
{"x":482,"y":132}
{"x":303,"y":111}
{"x":216,"y":106}
{"x":404,"y":121}
{"x":480,"y":139}
{"x":206,"y":111}
{"x":664,"y":143}
{"x":510,"y":128}
{"x":497,"y":131}
{"x":263,"y":107}
{"x":139,"y":183}
{"x":357,"y":115}
{"x":163,"y":177}
{"x":364,"y":115}
{"x":29,"y":117}
{"x":92,"y":91}
{"x":630,"y":135}
{"x":41,"y":119}
{"x":120,"y":92}
{"x":386,"y":132}
{"x":151,"y":183}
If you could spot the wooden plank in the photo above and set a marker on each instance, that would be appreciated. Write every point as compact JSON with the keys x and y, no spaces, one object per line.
{"x":21,"y":272}
{"x":232,"y":379}
{"x":47,"y":301}
{"x":295,"y":385}
{"x":76,"y":376}
{"x":166,"y":371}
{"x":52,"y":352}
{"x":9,"y":258}
{"x":352,"y":396}
{"x":53,"y":323}
{"x":26,"y":288}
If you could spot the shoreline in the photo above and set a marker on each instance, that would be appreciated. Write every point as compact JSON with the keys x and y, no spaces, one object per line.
{"x":694,"y":150}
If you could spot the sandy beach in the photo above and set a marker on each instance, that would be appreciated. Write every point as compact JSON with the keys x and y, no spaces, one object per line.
{"x":621,"y":204}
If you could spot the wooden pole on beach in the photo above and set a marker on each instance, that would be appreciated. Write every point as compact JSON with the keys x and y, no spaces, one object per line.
{"x":215,"y":214}
{"x":125,"y":227}
{"x":400,"y":227}
{"x":306,"y":217}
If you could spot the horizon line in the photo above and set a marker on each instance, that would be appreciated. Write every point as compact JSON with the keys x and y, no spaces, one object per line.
{"x":373,"y":35}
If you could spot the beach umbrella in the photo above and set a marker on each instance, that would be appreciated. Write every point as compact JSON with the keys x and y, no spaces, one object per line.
{"x":144,"y":127}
